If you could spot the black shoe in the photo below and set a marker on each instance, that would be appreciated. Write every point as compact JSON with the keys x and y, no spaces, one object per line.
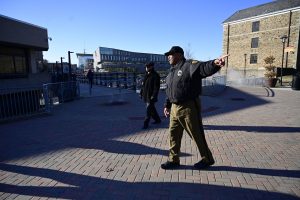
{"x":170,"y":165}
{"x":202,"y":164}
{"x":157,"y":122}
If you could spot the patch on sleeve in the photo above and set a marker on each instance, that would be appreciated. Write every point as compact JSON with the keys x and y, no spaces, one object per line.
{"x":195,"y":62}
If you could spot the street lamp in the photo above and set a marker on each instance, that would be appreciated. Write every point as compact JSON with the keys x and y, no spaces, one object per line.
{"x":70,"y":70}
{"x":283,"y":39}
{"x":56,"y":67}
{"x":245,"y":55}
{"x":62,"y":67}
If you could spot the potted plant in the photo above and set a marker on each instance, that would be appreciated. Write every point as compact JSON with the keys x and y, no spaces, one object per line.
{"x":270,"y":74}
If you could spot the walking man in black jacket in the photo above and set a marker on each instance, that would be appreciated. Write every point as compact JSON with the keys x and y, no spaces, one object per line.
{"x":183,"y":104}
{"x":149,"y":93}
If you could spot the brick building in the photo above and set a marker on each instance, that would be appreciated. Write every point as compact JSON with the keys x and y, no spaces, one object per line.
{"x":252,"y":34}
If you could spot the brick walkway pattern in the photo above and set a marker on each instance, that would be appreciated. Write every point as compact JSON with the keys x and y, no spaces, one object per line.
{"x":93,"y":148}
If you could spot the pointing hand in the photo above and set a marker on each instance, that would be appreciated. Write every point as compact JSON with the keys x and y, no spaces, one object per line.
{"x":221,"y":61}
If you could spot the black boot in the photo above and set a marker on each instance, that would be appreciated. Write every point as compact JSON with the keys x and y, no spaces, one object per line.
{"x":170,"y":165}
{"x":145,"y":125}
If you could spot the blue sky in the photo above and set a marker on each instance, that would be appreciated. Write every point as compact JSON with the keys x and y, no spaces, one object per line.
{"x":151,"y":26}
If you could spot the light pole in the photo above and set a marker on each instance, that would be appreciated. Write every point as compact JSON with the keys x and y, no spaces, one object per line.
{"x":56,"y":67}
{"x":245,"y":55}
{"x":70,"y":69}
{"x":283,"y":39}
{"x":62,"y":68}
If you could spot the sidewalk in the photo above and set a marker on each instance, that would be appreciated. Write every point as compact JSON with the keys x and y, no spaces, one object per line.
{"x":92,"y":148}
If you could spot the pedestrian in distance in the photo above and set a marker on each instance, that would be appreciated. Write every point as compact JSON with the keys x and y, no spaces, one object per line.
{"x":90,"y":76}
{"x":183,"y":106}
{"x":149,"y":92}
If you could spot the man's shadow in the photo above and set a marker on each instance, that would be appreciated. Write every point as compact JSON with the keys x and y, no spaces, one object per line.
{"x":90,"y":187}
{"x":266,"y":172}
{"x":263,"y":129}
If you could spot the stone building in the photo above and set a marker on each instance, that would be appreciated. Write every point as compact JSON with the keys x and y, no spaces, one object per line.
{"x":252,"y":34}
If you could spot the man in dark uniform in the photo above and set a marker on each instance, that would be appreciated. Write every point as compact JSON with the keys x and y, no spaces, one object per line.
{"x":184,"y":83}
{"x":149,"y":93}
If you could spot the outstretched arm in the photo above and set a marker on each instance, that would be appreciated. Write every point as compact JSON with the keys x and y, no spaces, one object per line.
{"x":205,"y":69}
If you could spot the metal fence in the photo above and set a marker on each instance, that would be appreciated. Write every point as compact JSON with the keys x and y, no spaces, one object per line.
{"x":21,"y":102}
{"x":214,"y":81}
{"x":251,"y":81}
{"x":133,"y":80}
{"x":111,"y":79}
{"x":213,"y":85}
{"x":56,"y":93}
{"x":25,"y":102}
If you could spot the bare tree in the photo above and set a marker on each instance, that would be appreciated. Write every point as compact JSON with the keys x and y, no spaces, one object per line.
{"x":188,"y":53}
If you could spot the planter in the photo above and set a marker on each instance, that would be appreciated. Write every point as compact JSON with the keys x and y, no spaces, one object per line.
{"x":271,"y":82}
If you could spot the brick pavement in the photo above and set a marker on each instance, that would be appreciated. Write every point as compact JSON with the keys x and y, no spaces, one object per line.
{"x":91,"y":149}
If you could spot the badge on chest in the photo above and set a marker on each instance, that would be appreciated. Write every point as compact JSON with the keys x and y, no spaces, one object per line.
{"x":179,"y":73}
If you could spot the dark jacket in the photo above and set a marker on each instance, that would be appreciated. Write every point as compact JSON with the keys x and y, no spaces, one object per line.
{"x":150,"y":87}
{"x":184,"y":81}
{"x":90,"y":75}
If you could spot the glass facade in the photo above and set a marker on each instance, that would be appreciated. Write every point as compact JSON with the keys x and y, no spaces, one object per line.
{"x":85,"y":60}
{"x":110,"y":59}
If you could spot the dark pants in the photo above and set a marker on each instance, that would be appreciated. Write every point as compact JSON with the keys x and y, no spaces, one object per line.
{"x":187,"y":116}
{"x":151,"y":112}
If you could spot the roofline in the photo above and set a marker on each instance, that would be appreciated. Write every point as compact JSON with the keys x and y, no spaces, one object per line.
{"x":23,"y":22}
{"x":84,"y":54}
{"x":295,"y":9}
{"x":130,"y":51}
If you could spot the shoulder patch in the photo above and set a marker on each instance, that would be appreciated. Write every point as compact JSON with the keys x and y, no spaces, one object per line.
{"x":195,"y":61}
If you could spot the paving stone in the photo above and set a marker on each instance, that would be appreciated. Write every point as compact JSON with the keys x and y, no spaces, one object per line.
{"x":89,"y":150}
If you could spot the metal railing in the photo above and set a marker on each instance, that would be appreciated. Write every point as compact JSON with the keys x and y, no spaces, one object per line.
{"x":213,"y":85}
{"x":125,"y":80}
{"x":251,"y":81}
{"x":25,"y":102}
{"x":56,"y":93}
{"x":133,"y":81}
{"x":214,"y":81}
{"x":21,"y":102}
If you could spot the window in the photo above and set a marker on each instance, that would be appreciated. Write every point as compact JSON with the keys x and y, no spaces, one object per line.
{"x":253,"y":58}
{"x":7,"y":64}
{"x":255,"y":26}
{"x":12,"y":62}
{"x":12,"y":65}
{"x":254,"y":42}
{"x":20,"y":64}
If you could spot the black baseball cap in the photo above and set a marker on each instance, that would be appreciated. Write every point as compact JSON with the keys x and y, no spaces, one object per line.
{"x":174,"y":49}
{"x":149,"y":64}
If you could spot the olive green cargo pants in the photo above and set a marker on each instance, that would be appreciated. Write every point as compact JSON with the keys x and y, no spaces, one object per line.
{"x":187,"y":116}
